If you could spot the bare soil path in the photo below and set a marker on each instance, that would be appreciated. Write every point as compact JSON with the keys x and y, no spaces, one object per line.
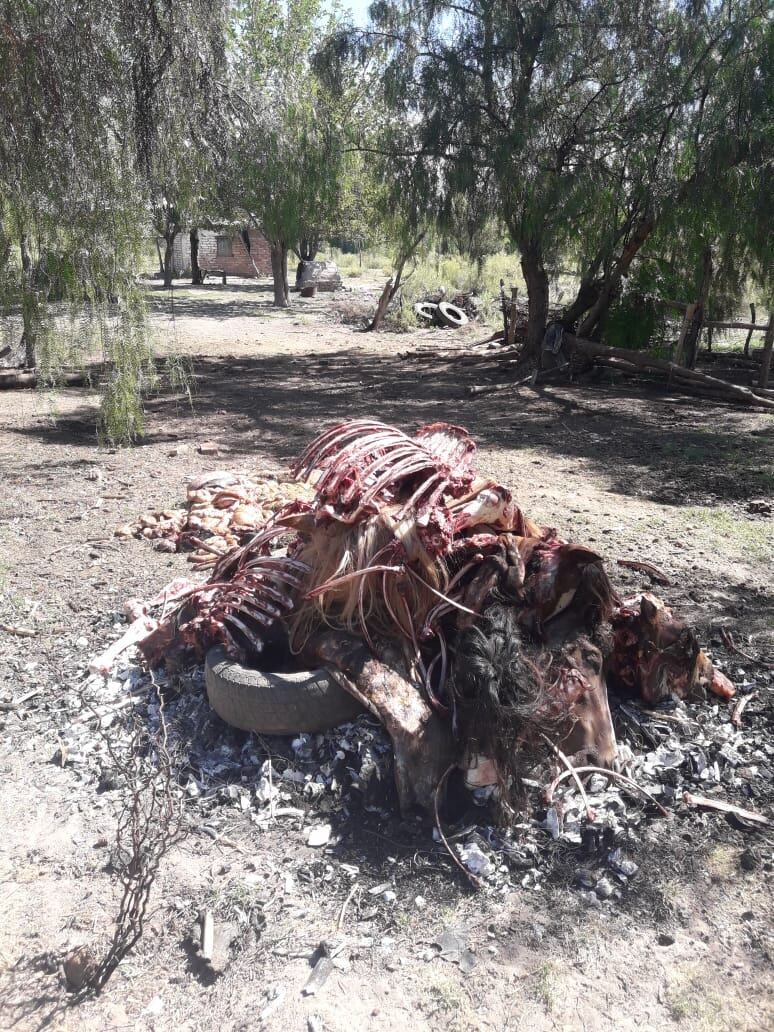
{"x":638,"y":474}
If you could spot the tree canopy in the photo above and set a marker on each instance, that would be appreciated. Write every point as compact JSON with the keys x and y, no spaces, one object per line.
{"x":592,"y":124}
{"x":631,"y":140}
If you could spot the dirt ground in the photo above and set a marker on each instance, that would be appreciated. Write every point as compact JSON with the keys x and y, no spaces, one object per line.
{"x":637,"y":473}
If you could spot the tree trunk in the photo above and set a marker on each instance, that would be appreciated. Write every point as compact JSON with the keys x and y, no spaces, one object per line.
{"x":308,"y":248}
{"x":612,"y":282}
{"x":161,"y":260}
{"x":29,"y":306}
{"x":588,"y":295}
{"x":393,"y":283}
{"x":536,"y":278}
{"x":169,"y":253}
{"x":384,"y":303}
{"x":768,"y":344}
{"x":694,"y":329}
{"x":197,"y":276}
{"x":681,"y":351}
{"x":279,"y":272}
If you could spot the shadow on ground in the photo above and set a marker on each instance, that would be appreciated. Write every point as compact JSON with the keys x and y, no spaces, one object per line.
{"x":647,"y":443}
{"x":211,"y":300}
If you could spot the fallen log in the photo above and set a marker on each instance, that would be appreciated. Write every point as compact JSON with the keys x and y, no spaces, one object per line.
{"x":497,"y":388}
{"x":497,"y":335}
{"x":678,"y":375}
{"x":18,"y":379}
{"x":768,"y":347}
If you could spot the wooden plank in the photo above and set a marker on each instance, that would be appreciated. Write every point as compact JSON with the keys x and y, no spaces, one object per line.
{"x":716,"y":325}
{"x":768,"y":343}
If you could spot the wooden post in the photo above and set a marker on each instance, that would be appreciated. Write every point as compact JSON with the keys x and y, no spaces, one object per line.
{"x":750,"y":331}
{"x":680,"y":351}
{"x":504,"y":306}
{"x":510,"y":336}
{"x":768,"y":344}
{"x":694,"y":330}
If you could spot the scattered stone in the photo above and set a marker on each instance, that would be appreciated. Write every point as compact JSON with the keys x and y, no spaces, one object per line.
{"x":320,"y":972}
{"x":589,"y":898}
{"x":319,"y":835}
{"x":225,"y":933}
{"x":604,"y":888}
{"x":748,"y":860}
{"x":209,"y":448}
{"x":476,"y":861}
{"x":585,"y":878}
{"x":624,"y":868}
{"x":79,"y":966}
{"x":666,"y":939}
{"x":452,"y":946}
{"x":155,"y":1007}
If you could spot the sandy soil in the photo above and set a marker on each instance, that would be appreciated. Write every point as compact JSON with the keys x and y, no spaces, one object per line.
{"x":637,"y":473}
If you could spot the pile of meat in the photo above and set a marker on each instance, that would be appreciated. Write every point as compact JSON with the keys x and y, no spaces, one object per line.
{"x":479,"y":638}
{"x":222,"y":510}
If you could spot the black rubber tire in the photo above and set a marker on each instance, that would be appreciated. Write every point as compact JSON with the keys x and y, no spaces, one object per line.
{"x":275,"y":704}
{"x":426,"y":310}
{"x":450,"y":315}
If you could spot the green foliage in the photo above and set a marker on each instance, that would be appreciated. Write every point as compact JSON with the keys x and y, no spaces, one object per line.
{"x":587,"y":129}
{"x":635,"y":322}
{"x":86,"y":127}
{"x":633,"y":141}
{"x":289,"y":169}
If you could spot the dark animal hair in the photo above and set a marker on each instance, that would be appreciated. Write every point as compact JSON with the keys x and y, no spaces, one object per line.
{"x":595,"y":598}
{"x":500,"y":696}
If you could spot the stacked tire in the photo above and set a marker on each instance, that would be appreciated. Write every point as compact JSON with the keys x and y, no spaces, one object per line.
{"x":443,"y":314}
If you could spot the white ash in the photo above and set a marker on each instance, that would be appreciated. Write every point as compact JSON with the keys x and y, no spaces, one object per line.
{"x":305,"y":780}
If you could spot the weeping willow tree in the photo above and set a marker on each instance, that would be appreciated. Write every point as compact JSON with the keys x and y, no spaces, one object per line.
{"x":710,"y":240}
{"x":594,"y":123}
{"x":85,"y":109}
{"x":288,"y":168}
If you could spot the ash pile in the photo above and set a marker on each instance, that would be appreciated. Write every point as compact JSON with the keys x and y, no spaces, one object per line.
{"x":403,"y":639}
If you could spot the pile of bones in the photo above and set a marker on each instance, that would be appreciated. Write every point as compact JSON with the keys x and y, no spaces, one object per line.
{"x":482,"y":641}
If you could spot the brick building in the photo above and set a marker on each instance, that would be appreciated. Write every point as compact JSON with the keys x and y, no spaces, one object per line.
{"x":224,"y":249}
